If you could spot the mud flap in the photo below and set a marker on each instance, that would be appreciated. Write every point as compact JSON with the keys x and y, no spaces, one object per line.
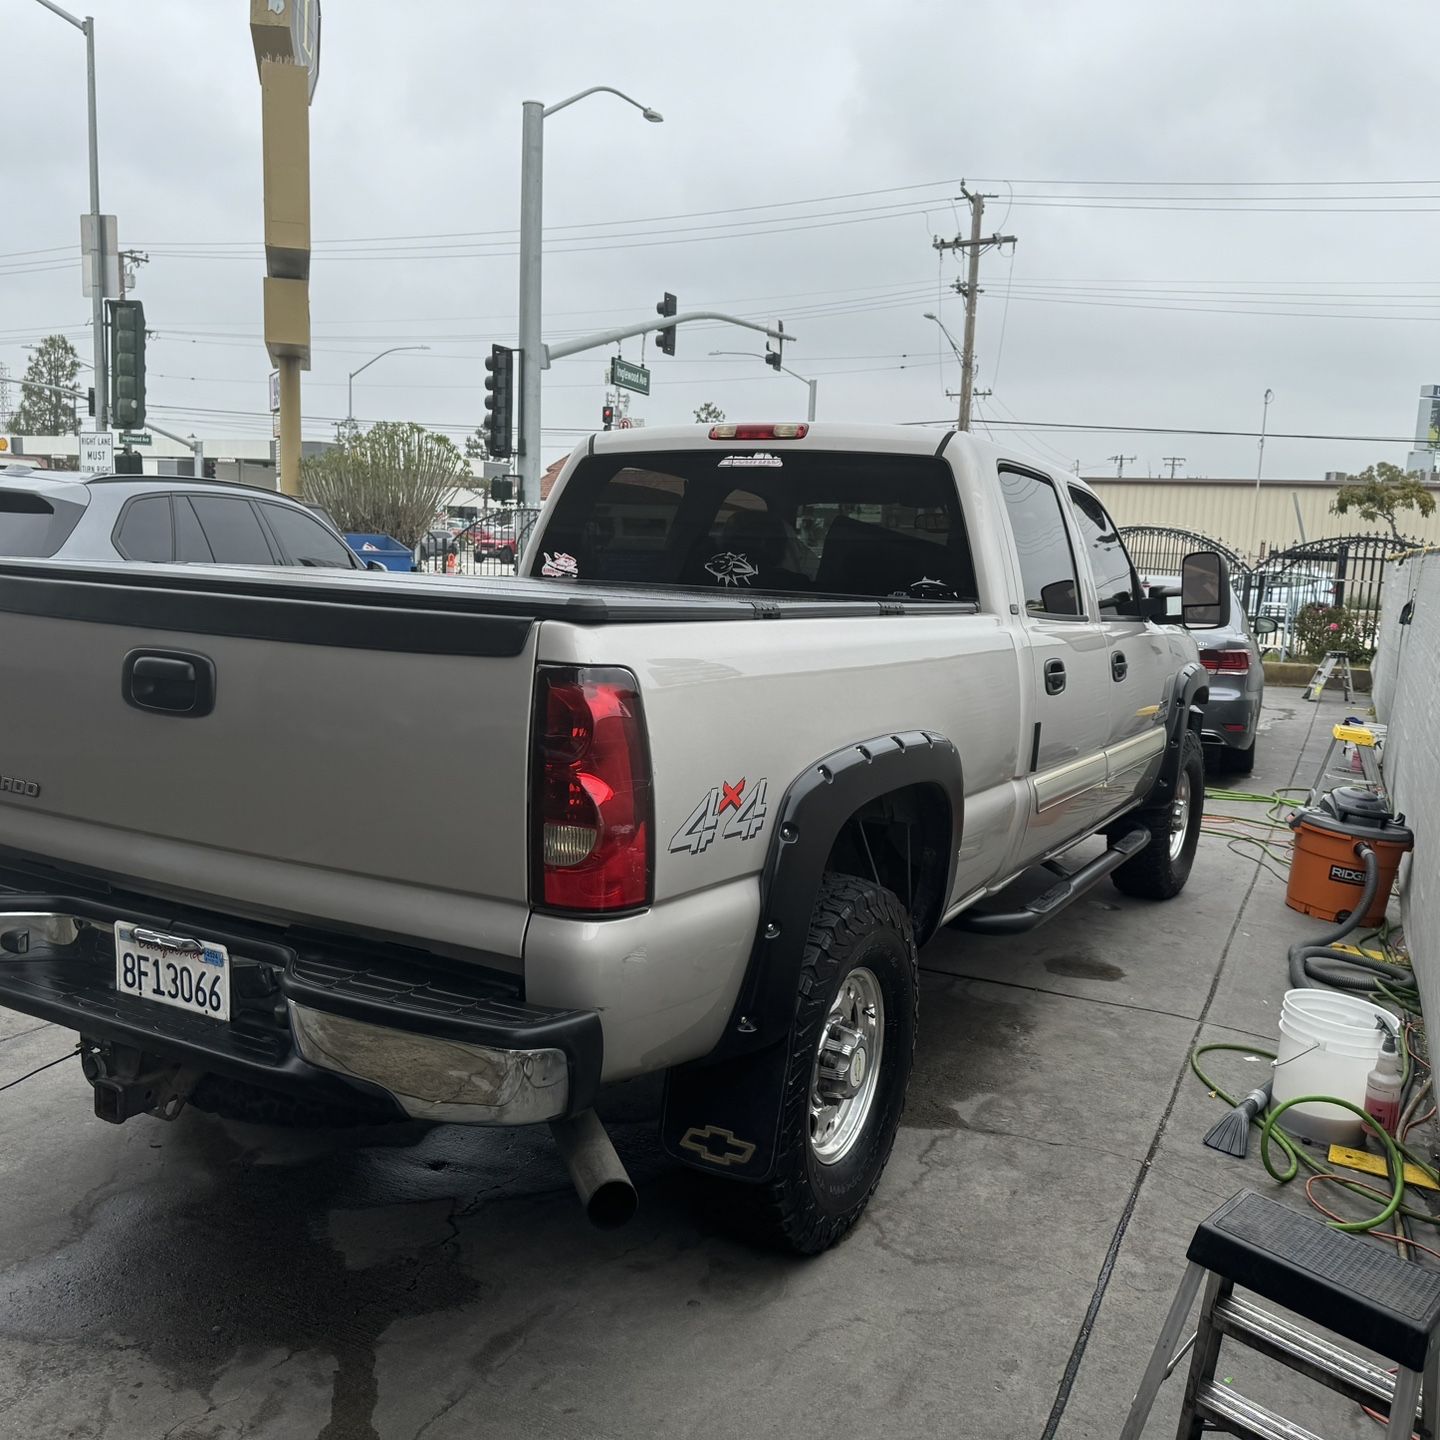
{"x":724,"y":1118}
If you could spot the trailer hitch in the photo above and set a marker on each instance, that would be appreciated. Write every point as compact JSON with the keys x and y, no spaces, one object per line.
{"x":129,"y":1082}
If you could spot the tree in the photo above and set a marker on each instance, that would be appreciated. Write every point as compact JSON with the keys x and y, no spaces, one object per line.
{"x":476,"y":445}
{"x":43,"y":412}
{"x":709,"y":414}
{"x":390,"y":480}
{"x":1380,"y":492}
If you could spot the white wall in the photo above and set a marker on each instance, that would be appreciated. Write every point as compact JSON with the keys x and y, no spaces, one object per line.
{"x":1407,"y":698}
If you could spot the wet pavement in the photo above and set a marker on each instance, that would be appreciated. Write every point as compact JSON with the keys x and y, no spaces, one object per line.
{"x":203,"y":1279}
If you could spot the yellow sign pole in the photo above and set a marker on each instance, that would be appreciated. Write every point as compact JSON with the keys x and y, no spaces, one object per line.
{"x":286,"y":37}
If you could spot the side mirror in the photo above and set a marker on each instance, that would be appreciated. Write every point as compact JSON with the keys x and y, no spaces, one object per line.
{"x":1264,"y":626}
{"x":1204,"y":591}
{"x":375,"y":565}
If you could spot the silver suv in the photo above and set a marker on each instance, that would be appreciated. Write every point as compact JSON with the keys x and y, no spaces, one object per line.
{"x":161,"y":518}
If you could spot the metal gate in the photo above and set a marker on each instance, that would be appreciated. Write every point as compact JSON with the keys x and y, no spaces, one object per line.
{"x":1342,"y":572}
{"x":1159,"y":549}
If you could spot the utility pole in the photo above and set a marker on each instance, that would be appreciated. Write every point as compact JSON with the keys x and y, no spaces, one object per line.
{"x":970,"y":289}
{"x":1173,"y":461}
{"x":1121,"y":461}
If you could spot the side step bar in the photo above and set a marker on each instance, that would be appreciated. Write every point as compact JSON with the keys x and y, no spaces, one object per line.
{"x":1049,"y":904}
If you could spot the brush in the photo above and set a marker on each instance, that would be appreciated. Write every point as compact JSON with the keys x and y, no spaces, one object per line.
{"x":1232,"y":1135}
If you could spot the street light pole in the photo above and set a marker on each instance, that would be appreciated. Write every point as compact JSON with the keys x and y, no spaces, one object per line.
{"x":533,"y":114}
{"x":350,"y":383}
{"x":811,"y":385}
{"x":950,"y":339}
{"x":97,"y":255}
{"x":1259,"y":471}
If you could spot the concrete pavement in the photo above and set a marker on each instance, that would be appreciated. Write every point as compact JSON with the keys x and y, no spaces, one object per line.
{"x":201,"y":1280}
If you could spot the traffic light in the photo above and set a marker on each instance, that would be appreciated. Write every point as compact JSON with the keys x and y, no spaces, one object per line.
{"x":209,"y":468}
{"x":665,"y":338}
{"x":499,"y":400}
{"x":90,"y":400}
{"x":774,"y":357}
{"x":502,"y":488}
{"x":127,"y":364}
{"x":607,"y":415}
{"x":129,"y":462}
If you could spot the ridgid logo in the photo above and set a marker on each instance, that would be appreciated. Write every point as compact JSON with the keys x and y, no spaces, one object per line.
{"x":1347,"y":874}
{"x":14,"y":785}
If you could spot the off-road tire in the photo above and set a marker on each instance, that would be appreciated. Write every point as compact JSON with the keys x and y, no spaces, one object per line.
{"x":1155,"y":873}
{"x":254,"y":1105}
{"x":807,"y":1206}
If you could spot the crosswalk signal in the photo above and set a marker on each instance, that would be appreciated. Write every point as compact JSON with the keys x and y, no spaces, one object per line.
{"x":499,"y":400}
{"x":127,"y":363}
{"x":665,"y":338}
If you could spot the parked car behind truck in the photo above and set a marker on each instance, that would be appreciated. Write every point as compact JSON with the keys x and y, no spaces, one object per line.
{"x":765,"y":707}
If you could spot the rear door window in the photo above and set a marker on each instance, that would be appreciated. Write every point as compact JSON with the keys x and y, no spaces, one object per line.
{"x":233,"y":530}
{"x":144,"y":531}
{"x":191,"y":547}
{"x":35,"y":525}
{"x":791,"y":521}
{"x":1042,"y":540}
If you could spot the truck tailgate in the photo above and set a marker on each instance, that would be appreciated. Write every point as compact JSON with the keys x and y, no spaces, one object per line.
{"x":364,"y":762}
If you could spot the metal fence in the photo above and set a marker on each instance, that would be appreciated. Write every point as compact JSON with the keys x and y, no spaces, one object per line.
{"x":1341,"y":572}
{"x":489,"y":546}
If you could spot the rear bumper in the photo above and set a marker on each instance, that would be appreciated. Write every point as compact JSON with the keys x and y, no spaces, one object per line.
{"x":440,"y":1041}
{"x":1224,"y":710}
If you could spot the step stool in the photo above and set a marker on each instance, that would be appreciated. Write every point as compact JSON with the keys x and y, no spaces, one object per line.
{"x":1364,"y":739}
{"x":1315,"y":687}
{"x":1348,"y":1285}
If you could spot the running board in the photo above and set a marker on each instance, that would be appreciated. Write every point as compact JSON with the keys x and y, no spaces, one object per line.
{"x":1049,"y":904}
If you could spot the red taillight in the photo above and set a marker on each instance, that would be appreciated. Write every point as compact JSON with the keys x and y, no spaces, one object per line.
{"x":592,"y":820}
{"x":760,"y":432}
{"x":1226,"y":662}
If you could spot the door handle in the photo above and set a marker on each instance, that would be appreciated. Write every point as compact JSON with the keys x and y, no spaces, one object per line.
{"x":168,"y":682}
{"x":1054,"y":676}
{"x":1119,"y":666}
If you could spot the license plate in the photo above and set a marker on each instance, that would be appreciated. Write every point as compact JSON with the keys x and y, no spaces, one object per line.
{"x":179,"y":970}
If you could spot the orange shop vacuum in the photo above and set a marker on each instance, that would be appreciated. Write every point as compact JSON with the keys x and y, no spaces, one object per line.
{"x":1327,"y":870}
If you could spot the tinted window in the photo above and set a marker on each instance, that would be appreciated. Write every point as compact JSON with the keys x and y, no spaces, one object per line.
{"x":190,"y":543}
{"x":1105,"y":551}
{"x":305,"y":540}
{"x":795,"y":521}
{"x":233,"y":530}
{"x":144,"y":532}
{"x":1047,"y":566}
{"x":33,"y":525}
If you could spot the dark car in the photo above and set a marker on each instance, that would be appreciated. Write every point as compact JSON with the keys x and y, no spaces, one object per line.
{"x":1237,"y":680}
{"x":162,"y":518}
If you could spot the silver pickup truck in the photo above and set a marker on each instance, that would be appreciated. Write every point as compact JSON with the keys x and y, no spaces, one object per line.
{"x":764,"y":707}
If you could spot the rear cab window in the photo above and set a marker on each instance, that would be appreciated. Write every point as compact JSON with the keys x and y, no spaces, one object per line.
{"x":814,"y":523}
{"x":35,"y":525}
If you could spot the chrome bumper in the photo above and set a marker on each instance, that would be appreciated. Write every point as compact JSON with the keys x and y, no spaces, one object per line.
{"x":432,"y":1078}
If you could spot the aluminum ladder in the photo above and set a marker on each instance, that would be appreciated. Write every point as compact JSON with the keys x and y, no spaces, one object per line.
{"x":1315,"y":686}
{"x":1350,"y":1286}
{"x":1364,"y":738}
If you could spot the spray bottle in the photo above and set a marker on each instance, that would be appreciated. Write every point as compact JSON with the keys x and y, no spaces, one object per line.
{"x":1383,"y":1086}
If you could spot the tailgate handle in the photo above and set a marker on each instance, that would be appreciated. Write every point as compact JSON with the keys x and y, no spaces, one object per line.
{"x":169,"y":682}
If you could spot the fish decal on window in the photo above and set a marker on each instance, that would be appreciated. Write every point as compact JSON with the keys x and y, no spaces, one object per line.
{"x":731,"y":568}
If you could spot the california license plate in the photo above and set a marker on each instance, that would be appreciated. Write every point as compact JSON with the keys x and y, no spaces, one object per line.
{"x":179,"y":970}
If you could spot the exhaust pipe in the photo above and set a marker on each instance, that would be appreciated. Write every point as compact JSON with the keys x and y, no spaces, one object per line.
{"x":600,"y":1180}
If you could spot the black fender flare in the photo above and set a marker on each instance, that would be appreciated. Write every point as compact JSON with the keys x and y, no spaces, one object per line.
{"x":1185,"y":712}
{"x":724,"y":1110}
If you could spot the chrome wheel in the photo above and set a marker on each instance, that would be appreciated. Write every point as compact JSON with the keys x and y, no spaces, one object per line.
{"x":847,"y":1066}
{"x":1179,"y":815}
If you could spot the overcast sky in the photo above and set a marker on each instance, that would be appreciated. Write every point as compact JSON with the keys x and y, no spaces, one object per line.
{"x":1143,"y":153}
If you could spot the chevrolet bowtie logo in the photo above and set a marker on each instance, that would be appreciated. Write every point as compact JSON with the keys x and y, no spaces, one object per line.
{"x":717,"y":1145}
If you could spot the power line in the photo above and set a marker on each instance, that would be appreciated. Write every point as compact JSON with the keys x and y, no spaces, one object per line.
{"x":1178,"y":430}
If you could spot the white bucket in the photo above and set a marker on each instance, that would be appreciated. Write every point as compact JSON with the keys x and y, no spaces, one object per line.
{"x":1329,"y":1043}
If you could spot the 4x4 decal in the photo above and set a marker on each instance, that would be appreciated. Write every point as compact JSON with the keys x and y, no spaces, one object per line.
{"x":742,"y":811}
